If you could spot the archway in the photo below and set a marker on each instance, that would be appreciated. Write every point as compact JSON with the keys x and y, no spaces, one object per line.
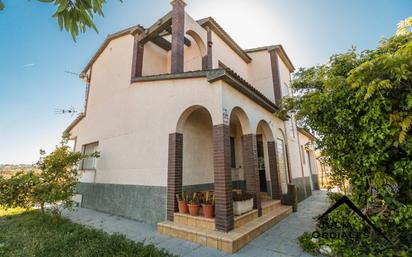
{"x":198,"y":151}
{"x":263,"y":137}
{"x":282,"y":161}
{"x":195,"y":55}
{"x":238,"y":126}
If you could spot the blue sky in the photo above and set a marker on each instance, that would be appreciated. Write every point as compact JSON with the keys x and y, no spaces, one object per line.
{"x":34,"y":54}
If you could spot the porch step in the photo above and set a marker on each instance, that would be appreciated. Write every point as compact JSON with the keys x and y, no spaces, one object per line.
{"x":270,"y":205}
{"x":228,"y":242}
{"x":264,"y":196}
{"x":245,"y":218}
{"x":194,"y":221}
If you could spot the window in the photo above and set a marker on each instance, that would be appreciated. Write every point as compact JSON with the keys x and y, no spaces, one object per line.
{"x":303,"y":154}
{"x":89,"y":163}
{"x":282,"y":164}
{"x":285,"y":90}
{"x":232,"y":153}
{"x":291,"y":126}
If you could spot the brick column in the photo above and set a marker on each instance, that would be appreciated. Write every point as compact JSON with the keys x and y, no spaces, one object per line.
{"x":274,"y":172}
{"x":250,"y":169}
{"x":137,"y":64}
{"x":174,"y":172}
{"x":277,"y":88}
{"x":178,"y":35}
{"x":209,"y":49}
{"x":207,"y":60}
{"x":224,"y":220}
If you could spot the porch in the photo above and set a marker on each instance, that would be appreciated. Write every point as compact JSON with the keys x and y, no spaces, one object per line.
{"x":247,"y":227}
{"x":222,"y":158}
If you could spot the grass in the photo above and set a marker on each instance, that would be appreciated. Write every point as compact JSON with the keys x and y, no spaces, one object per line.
{"x":31,"y":234}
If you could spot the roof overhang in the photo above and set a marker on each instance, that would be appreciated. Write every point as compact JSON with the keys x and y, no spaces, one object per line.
{"x":306,"y":133}
{"x":227,"y":75}
{"x":129,"y":31}
{"x":215,"y":27}
{"x":281,"y":52}
{"x":74,"y":123}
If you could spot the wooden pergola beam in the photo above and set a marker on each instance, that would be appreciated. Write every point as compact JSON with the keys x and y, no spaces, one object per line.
{"x":154,"y":30}
{"x":186,"y":40}
{"x":162,"y":43}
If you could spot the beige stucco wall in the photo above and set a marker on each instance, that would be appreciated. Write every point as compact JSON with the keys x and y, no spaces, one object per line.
{"x":260,"y":73}
{"x":132,"y":122}
{"x":198,"y":149}
{"x":313,"y":163}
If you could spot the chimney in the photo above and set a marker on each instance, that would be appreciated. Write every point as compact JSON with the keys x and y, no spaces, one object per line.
{"x":178,"y":34}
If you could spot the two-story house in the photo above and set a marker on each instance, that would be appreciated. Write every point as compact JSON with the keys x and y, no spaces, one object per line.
{"x":180,"y":106}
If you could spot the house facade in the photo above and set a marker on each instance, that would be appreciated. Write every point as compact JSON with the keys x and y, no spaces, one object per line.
{"x":180,"y":106}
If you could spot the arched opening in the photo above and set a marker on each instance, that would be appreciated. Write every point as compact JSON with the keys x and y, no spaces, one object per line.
{"x":263,"y":136}
{"x":238,"y":126}
{"x":282,"y":161}
{"x":197,"y":130}
{"x":195,"y":54}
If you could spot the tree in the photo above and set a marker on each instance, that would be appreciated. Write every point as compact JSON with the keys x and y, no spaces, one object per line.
{"x":360,"y":105}
{"x":74,"y":15}
{"x":53,"y":180}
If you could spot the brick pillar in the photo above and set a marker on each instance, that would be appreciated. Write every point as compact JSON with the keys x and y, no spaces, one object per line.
{"x":277,"y":88}
{"x":209,"y":49}
{"x":174,"y":172}
{"x":274,"y":172}
{"x":250,"y":169}
{"x":223,"y":178}
{"x":178,"y":35}
{"x":137,"y":64}
{"x":207,"y":60}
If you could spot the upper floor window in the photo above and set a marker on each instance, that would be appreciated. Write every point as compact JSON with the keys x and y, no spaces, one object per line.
{"x":291,"y":125}
{"x":89,"y":163}
{"x":302,"y":152}
{"x":285,"y":90}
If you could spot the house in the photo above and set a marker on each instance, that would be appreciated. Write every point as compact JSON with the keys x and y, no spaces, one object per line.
{"x":181,"y":106}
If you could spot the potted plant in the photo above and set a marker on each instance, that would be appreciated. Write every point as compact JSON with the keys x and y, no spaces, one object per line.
{"x":242,"y":202}
{"x":194,"y":204}
{"x":182,"y":202}
{"x":208,"y":205}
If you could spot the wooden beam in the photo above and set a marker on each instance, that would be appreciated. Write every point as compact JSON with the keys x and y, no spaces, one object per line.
{"x":154,"y":30}
{"x":162,"y":43}
{"x":186,"y":40}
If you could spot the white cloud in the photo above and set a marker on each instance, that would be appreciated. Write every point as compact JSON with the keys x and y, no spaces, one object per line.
{"x":28,"y":65}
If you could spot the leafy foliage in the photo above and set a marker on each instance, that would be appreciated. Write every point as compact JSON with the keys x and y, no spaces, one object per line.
{"x":74,"y":15}
{"x":53,"y":181}
{"x":360,"y":105}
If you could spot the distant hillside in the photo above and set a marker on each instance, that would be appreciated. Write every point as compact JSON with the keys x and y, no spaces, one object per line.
{"x":8,"y":170}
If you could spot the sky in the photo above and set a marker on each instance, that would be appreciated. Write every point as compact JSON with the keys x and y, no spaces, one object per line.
{"x":34,"y":54}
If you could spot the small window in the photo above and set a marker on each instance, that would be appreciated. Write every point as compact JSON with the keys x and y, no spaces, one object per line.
{"x":232,"y":153}
{"x":291,"y":127}
{"x":303,"y":154}
{"x":285,"y":90}
{"x":89,"y":163}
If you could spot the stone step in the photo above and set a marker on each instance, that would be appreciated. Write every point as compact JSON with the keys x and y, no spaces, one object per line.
{"x":271,"y":205}
{"x":228,"y":242}
{"x":195,"y":221}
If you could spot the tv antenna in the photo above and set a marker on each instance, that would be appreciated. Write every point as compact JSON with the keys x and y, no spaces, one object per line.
{"x":70,"y":111}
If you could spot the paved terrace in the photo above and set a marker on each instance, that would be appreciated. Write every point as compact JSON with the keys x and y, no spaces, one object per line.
{"x":280,"y":240}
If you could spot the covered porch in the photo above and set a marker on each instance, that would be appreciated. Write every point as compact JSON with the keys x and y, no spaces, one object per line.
{"x":224,"y":159}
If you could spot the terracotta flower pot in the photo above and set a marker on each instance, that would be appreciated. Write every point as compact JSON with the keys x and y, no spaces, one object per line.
{"x":208,"y":210}
{"x":193,"y":209}
{"x":182,"y":206}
